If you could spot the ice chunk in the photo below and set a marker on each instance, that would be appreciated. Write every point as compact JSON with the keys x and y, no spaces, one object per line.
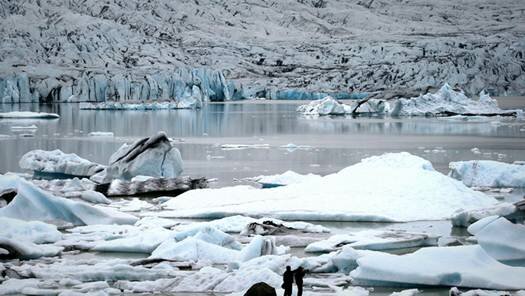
{"x":462,"y":266}
{"x":32,"y":203}
{"x":209,"y":234}
{"x":94,"y":197}
{"x":374,"y":240}
{"x":286,"y":178}
{"x":268,"y":226}
{"x":25,"y":249}
{"x":410,"y":189}
{"x":244,"y":278}
{"x":58,"y":162}
{"x":153,"y":156}
{"x":154,"y":286}
{"x":33,"y":231}
{"x":464,"y":218}
{"x":325,"y":106}
{"x":27,"y":114}
{"x":500,"y":238}
{"x":478,"y":292}
{"x":193,"y":249}
{"x":488,"y":173}
{"x":445,"y":102}
{"x":143,"y":242}
{"x":15,"y":286}
{"x":202,"y":281}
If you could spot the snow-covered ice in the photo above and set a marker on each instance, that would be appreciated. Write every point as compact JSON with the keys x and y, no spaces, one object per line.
{"x":374,"y":240}
{"x":27,"y":114}
{"x":461,"y":266}
{"x":410,"y":189}
{"x":34,"y":231}
{"x":488,"y":173}
{"x":154,"y":156}
{"x":58,"y":162}
{"x":32,"y":203}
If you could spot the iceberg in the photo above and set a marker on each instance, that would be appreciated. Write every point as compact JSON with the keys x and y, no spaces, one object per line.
{"x":409,"y":190}
{"x":462,"y":266}
{"x":488,"y":173}
{"x":325,"y":106}
{"x":152,"y":156}
{"x":58,"y":163}
{"x":374,"y":240}
{"x":268,"y":226}
{"x":447,"y":102}
{"x":27,"y":115}
{"x":500,"y":238}
{"x":94,"y":197}
{"x":32,"y":203}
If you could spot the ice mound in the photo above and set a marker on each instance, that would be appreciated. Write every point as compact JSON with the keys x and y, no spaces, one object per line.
{"x":58,"y":162}
{"x":463,"y":266}
{"x":374,"y":240}
{"x":152,"y":156}
{"x":390,"y":187}
{"x":32,"y":203}
{"x":325,"y":106}
{"x":286,"y":178}
{"x":446,"y":102}
{"x":500,"y":238}
{"x":27,"y":114}
{"x":488,"y":173}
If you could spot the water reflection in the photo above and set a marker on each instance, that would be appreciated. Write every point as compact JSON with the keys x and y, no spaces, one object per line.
{"x":338,"y":141}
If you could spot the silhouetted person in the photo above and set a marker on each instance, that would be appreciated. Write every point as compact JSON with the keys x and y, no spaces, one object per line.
{"x":299,"y":275}
{"x":287,"y":281}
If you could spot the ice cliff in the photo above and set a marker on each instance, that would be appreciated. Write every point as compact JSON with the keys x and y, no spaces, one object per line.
{"x":131,"y":50}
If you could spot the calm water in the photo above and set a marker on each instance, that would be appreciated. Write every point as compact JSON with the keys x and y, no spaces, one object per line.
{"x":335,"y":142}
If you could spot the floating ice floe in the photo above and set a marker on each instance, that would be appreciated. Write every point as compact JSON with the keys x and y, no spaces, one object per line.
{"x":144,"y":241}
{"x":445,"y":102}
{"x":59,"y":163}
{"x":374,"y":240}
{"x":500,"y":238}
{"x":32,"y":203}
{"x":488,"y":173}
{"x":462,"y":266}
{"x":390,"y":187}
{"x":152,"y":156}
{"x":27,"y":114}
{"x":94,"y":197}
{"x":286,"y":178}
{"x":291,"y":147}
{"x":101,"y":134}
